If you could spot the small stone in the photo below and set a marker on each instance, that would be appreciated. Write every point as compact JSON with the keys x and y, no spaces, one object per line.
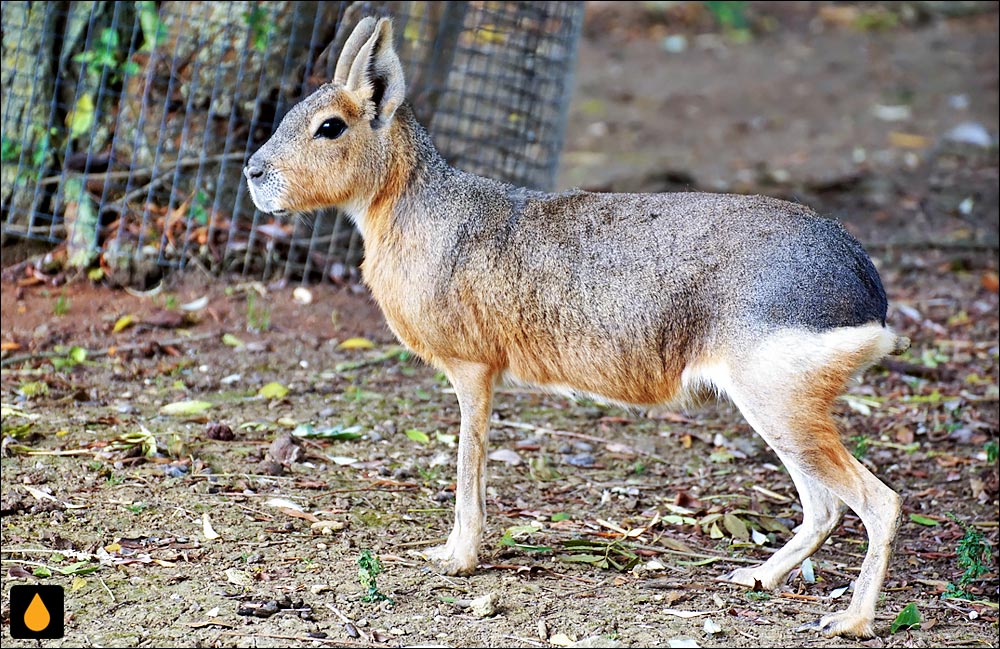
{"x":675,"y":43}
{"x":485,"y":606}
{"x":596,"y":641}
{"x":582,"y":460}
{"x":176,"y":470}
{"x":285,"y":449}
{"x":327,"y":527}
{"x":972,"y":133}
{"x":892,"y":113}
{"x":219,"y":431}
{"x":507,"y":456}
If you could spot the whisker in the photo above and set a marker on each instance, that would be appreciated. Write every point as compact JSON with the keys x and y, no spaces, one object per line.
{"x":305,"y":218}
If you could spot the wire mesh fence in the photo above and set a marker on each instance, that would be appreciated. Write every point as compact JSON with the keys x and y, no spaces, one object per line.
{"x":125,"y":125}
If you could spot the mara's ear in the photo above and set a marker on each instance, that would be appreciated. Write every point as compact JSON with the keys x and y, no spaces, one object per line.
{"x":376,"y":72}
{"x":362,"y":32}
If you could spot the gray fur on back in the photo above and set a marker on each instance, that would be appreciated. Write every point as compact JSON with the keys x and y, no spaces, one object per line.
{"x":677,"y":266}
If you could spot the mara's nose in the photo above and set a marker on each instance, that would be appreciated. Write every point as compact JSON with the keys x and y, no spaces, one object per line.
{"x":253,"y":172}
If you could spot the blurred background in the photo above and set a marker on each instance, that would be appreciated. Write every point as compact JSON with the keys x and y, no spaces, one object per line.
{"x":881,"y":114}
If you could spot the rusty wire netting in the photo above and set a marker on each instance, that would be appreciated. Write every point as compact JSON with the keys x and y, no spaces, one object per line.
{"x":126,"y":124}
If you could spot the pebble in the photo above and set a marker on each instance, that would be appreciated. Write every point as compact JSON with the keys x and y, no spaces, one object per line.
{"x":972,"y":133}
{"x":675,"y":43}
{"x":580,"y":460}
{"x":176,"y":471}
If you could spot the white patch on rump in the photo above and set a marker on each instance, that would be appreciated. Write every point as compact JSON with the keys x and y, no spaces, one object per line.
{"x":790,"y":353}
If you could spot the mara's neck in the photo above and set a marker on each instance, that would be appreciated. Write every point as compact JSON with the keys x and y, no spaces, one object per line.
{"x":413,"y":163}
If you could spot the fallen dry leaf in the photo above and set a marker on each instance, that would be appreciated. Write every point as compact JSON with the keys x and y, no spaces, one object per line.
{"x":207,"y":529}
{"x":990,"y":281}
{"x":908,"y":140}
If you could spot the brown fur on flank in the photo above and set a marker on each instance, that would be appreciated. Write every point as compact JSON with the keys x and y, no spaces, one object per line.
{"x":633,"y":298}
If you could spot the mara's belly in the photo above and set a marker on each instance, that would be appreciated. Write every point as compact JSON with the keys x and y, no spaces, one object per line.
{"x":637,"y":376}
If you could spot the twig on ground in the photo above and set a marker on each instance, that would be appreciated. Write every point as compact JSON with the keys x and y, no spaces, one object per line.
{"x":349,"y":624}
{"x":110,"y":594}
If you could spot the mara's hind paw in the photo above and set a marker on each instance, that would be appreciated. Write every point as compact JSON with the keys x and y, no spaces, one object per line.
{"x":845,"y":623}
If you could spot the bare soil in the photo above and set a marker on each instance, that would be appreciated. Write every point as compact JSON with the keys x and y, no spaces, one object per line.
{"x":789,"y":113}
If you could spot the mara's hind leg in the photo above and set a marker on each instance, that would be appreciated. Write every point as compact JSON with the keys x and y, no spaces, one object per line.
{"x":821,"y":512}
{"x":786,"y":391}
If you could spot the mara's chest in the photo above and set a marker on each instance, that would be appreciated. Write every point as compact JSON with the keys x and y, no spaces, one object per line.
{"x":433,"y":312}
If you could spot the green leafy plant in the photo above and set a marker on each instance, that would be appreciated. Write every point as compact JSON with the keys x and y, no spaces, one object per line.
{"x":605,"y":555}
{"x":515,"y":536}
{"x":141,"y":439}
{"x":105,"y":54}
{"x":76,"y":568}
{"x":61,"y":307}
{"x":32,"y":160}
{"x":32,"y":389}
{"x":877,"y":19}
{"x":15,"y":422}
{"x":732,"y":17}
{"x":258,"y":315}
{"x":992,"y":449}
{"x":973,"y":554}
{"x":757,"y":596}
{"x":260,"y":28}
{"x":114,"y":479}
{"x":861,"y":445}
{"x":10,"y":150}
{"x":369,"y":567}
{"x":74,"y":356}
{"x":429,"y":474}
{"x":908,"y":618}
{"x":153,"y":30}
{"x":40,"y":153}
{"x":614,"y":555}
{"x":198,"y":212}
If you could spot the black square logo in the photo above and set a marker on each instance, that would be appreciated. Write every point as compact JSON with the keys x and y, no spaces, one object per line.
{"x":36,"y":612}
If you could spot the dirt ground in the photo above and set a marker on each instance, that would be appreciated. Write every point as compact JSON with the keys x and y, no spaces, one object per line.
{"x":233,"y":532}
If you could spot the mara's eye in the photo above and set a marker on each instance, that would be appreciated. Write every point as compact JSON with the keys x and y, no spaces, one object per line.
{"x":331,"y":129}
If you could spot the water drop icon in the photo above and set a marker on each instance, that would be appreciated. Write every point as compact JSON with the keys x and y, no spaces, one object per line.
{"x":37,"y":617}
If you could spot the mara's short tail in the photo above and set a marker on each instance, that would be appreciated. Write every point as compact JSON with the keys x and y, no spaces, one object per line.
{"x":901,"y":345}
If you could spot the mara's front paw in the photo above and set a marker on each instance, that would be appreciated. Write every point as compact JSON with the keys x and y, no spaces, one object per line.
{"x":752,"y":578}
{"x":846,"y":623}
{"x":451,"y":561}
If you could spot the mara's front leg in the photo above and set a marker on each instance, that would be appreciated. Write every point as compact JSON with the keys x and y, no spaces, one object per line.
{"x":474,"y":385}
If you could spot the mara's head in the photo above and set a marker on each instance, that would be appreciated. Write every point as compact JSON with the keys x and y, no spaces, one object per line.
{"x":332,"y":149}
